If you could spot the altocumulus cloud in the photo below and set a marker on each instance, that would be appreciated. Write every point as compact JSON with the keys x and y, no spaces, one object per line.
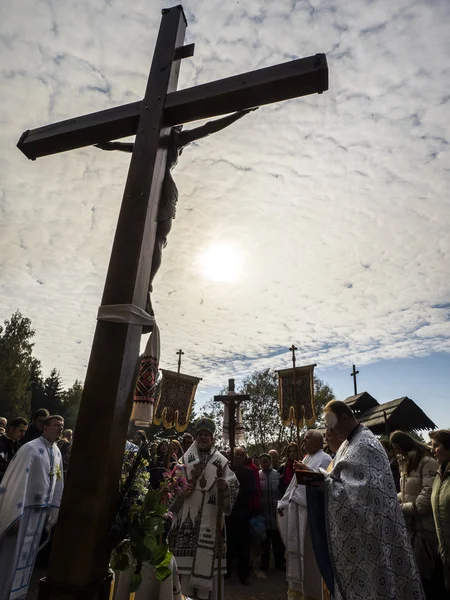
{"x":338,"y":204}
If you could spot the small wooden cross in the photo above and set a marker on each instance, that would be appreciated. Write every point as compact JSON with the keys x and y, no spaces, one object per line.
{"x":353,"y":374}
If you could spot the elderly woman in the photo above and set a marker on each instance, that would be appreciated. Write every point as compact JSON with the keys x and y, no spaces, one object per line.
{"x":418,"y":471}
{"x":440,"y":497}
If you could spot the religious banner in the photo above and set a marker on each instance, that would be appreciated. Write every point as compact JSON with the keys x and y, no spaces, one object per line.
{"x":303,"y":399}
{"x":147,"y":384}
{"x":174,"y":405}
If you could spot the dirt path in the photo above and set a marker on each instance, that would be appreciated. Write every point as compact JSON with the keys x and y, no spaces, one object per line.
{"x":270,"y":585}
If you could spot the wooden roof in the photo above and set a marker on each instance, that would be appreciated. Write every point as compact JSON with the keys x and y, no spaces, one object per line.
{"x":361,"y":402}
{"x":382,"y":419}
{"x":402,"y":413}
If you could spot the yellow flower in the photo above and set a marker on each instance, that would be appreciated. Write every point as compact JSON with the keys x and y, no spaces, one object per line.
{"x":58,"y":472}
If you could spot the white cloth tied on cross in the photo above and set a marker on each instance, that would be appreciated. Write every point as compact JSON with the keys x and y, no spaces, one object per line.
{"x":125,"y":313}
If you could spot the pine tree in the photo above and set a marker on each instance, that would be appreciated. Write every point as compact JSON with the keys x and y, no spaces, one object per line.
{"x":54,"y":393}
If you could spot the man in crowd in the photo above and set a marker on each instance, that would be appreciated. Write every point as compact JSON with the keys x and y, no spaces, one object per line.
{"x":65,"y":445}
{"x":30,"y":495}
{"x":3,"y":422}
{"x":270,"y":495}
{"x":371,"y":557}
{"x":275,"y":459}
{"x":36,"y":426}
{"x":10,"y":442}
{"x":302,"y":573}
{"x":238,"y":522}
{"x":196,"y":537}
{"x":187,"y":441}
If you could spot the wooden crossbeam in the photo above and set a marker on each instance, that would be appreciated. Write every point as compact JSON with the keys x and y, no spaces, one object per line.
{"x":272,"y":84}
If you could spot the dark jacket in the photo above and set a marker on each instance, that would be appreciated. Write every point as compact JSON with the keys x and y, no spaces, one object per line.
{"x":242,"y":508}
{"x":7,"y":450}
{"x":32,"y":433}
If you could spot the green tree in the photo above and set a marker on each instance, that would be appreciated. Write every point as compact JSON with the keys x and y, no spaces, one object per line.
{"x":54,"y":393}
{"x":37,"y":387}
{"x":15,"y":366}
{"x":71,"y":399}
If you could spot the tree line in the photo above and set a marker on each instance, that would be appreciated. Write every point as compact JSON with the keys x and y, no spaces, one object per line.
{"x":24,"y":389}
{"x":23,"y":386}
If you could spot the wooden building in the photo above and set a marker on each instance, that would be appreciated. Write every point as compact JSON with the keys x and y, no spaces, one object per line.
{"x":383,"y":419}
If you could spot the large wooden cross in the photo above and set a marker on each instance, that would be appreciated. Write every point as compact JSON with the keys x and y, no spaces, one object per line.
{"x":232,"y":400}
{"x":81,"y":551}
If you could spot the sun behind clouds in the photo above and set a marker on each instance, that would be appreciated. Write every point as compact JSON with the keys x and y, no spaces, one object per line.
{"x":221,"y":263}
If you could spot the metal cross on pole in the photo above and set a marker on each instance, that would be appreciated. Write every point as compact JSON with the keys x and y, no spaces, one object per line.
{"x":353,"y":374}
{"x":293,"y":349}
{"x":89,"y":503}
{"x":180,"y":354}
{"x":232,"y":400}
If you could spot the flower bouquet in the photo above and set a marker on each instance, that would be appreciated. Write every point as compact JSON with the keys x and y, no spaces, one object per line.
{"x":138,"y":532}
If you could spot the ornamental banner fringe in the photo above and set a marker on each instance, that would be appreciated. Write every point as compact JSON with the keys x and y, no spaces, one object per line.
{"x":147,"y":384}
{"x":174,"y":405}
{"x":304,"y":386}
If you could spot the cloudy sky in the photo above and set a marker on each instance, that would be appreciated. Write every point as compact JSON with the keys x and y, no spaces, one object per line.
{"x":321,"y":221}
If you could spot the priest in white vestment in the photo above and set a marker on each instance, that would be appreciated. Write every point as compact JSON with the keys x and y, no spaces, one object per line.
{"x":368,"y":544}
{"x":197,"y":536}
{"x":30,"y":496}
{"x":302,"y":573}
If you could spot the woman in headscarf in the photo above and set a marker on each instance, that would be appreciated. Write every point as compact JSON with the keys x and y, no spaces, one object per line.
{"x":418,"y":471}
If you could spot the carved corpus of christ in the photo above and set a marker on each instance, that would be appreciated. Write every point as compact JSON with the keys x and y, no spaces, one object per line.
{"x":178,"y":140}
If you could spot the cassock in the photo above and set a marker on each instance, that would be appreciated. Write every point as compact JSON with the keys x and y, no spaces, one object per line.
{"x":30,"y":496}
{"x":302,"y":573}
{"x":194,"y":534}
{"x":368,"y":544}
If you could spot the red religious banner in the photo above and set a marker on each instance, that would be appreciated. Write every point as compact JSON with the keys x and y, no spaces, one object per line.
{"x":174,"y":405}
{"x":146,"y":390}
{"x":296,"y":403}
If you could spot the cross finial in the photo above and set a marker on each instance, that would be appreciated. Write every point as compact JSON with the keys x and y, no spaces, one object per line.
{"x":293,"y":348}
{"x":180,"y":354}
{"x":353,"y":374}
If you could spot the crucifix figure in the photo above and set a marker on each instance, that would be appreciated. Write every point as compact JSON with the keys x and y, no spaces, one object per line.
{"x":178,"y":140}
{"x":90,"y":496}
{"x":353,"y":374}
{"x":232,"y":402}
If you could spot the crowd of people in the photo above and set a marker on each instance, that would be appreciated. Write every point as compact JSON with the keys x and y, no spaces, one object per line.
{"x":344,"y":515}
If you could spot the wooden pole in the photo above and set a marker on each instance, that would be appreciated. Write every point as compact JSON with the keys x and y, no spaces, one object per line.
{"x":293,"y":348}
{"x":219,"y":535}
{"x":232,"y":421}
{"x":80,"y":570}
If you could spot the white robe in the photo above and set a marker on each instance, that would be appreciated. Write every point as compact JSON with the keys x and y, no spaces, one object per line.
{"x":302,"y":572}
{"x":193,"y":536}
{"x":369,"y":546}
{"x":30,"y":496}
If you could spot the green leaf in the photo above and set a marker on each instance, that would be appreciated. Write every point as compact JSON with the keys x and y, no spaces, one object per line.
{"x":120,"y":561}
{"x":150,"y":542}
{"x":162,"y":569}
{"x":162,"y":573}
{"x":135,"y":582}
{"x":160,"y":554}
